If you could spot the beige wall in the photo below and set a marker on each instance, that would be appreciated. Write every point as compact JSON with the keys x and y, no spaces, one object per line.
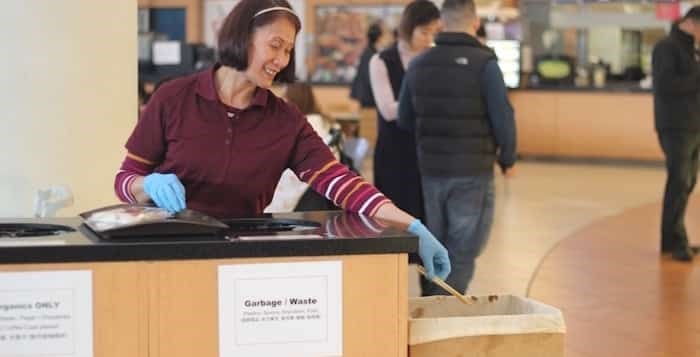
{"x":68,"y":98}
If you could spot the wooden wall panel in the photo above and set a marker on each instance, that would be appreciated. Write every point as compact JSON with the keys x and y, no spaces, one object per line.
{"x":334,"y":99}
{"x":585,"y":124}
{"x":184,"y":303}
{"x":606,"y":125}
{"x":372,"y":320}
{"x":121,"y":310}
{"x":535,"y":118}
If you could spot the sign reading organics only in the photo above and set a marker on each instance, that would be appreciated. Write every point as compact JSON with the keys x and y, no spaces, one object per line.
{"x":281,"y":309}
{"x":46,"y":313}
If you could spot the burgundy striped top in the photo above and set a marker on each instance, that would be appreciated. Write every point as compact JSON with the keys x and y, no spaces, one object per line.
{"x":229,"y":159}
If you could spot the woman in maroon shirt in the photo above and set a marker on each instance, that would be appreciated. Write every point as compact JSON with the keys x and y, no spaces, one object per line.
{"x":217,"y":141}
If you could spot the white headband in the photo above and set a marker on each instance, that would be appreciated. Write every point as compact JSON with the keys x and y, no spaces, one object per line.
{"x":276,"y":8}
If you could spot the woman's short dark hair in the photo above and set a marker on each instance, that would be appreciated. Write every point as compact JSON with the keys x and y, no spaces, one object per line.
{"x":417,"y":13}
{"x":374,"y":32}
{"x":481,"y":31}
{"x":693,"y":14}
{"x":237,"y":31}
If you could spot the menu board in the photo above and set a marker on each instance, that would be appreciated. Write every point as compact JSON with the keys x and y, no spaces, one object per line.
{"x":508,"y":52}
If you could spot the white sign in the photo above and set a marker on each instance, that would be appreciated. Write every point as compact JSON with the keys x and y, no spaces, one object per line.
{"x":166,"y":53}
{"x":46,"y":314}
{"x":281,"y":309}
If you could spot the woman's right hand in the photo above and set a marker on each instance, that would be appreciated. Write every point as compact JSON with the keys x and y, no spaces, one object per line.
{"x":434,"y":255}
{"x":166,"y":191}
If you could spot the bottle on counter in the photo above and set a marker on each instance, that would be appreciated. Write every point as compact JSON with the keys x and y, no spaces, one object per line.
{"x":582,"y":77}
{"x":599,"y":74}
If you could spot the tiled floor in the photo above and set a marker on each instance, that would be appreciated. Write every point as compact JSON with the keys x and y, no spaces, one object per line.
{"x":545,"y":203}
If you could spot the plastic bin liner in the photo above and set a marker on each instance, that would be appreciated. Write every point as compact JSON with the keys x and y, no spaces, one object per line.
{"x":494,"y":326}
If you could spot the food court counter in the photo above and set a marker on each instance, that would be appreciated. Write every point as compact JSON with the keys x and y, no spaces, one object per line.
{"x":185,"y":296}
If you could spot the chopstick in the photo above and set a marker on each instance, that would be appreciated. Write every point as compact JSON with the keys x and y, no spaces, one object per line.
{"x":441,"y":283}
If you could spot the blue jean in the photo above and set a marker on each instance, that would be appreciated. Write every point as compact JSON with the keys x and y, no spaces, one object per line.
{"x":459,"y":212}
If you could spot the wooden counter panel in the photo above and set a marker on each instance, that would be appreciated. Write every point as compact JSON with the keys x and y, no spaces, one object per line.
{"x":373,"y":323}
{"x":586,"y":124}
{"x":185,"y":300}
{"x":606,"y":126}
{"x":535,"y":117}
{"x":120,"y":313}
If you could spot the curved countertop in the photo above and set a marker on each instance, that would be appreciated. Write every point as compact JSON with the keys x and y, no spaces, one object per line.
{"x":610,"y":88}
{"x":339,"y":233}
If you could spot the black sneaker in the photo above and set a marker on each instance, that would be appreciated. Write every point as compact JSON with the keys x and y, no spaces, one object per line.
{"x":693,"y":249}
{"x":683,"y":255}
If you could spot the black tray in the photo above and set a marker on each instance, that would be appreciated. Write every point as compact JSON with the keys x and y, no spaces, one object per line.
{"x":187,"y":222}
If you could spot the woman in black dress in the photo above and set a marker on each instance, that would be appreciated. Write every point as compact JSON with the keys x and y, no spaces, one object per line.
{"x":395,"y":162}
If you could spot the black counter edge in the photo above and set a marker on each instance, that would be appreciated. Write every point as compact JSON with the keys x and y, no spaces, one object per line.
{"x":157,"y":252}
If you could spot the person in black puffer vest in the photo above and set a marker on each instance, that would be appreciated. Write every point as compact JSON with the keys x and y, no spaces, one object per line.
{"x":454,"y":98}
{"x":676,"y":74}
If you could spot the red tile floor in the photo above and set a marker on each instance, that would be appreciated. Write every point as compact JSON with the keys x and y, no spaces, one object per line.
{"x":618,"y":295}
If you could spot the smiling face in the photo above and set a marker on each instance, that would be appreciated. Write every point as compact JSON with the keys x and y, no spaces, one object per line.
{"x":270,"y":50}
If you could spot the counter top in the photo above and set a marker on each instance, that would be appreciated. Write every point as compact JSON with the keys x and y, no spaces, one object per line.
{"x":611,"y":88}
{"x":339,"y":233}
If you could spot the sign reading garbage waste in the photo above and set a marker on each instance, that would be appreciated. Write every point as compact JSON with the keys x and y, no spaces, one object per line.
{"x":280,"y":309}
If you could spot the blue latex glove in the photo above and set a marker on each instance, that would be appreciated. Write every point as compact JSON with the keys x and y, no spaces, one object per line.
{"x":436,"y":261}
{"x":166,"y":191}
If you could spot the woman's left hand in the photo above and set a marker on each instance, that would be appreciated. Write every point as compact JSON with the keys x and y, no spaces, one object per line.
{"x":435,"y":258}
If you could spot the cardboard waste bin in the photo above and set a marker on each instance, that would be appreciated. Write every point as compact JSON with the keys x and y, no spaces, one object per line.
{"x":493,"y":326}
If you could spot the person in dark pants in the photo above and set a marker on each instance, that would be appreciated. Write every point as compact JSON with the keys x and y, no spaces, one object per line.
{"x":454,"y":99}
{"x":676,"y":74}
{"x":395,"y":163}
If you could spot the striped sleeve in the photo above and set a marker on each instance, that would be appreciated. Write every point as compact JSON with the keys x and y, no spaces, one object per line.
{"x":354,"y":225}
{"x":128,"y":172}
{"x":345,"y":188}
{"x":312,"y":161}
